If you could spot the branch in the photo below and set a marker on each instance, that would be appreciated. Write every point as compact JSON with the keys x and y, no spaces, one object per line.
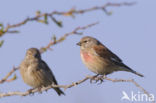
{"x":32,"y":91}
{"x":5,"y":79}
{"x":132,"y":81}
{"x":43,"y":17}
{"x":55,"y":41}
{"x":28,"y":92}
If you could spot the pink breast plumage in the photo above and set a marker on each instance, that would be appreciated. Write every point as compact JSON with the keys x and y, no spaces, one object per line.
{"x":86,"y":56}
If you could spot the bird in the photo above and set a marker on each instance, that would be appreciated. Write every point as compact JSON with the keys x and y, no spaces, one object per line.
{"x":99,"y":59}
{"x":35,"y":72}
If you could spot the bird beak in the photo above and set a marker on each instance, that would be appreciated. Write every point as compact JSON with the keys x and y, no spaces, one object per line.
{"x":79,"y":43}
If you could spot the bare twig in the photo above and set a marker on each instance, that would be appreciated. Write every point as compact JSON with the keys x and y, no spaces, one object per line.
{"x":75,"y":31}
{"x":43,"y":17}
{"x":132,"y":81}
{"x":28,"y":92}
{"x":5,"y":79}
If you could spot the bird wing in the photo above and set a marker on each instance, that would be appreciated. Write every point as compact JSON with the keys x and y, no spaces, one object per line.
{"x":50,"y":76}
{"x":105,"y":53}
{"x":49,"y":73}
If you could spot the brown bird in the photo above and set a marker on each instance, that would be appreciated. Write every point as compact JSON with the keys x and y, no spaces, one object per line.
{"x":99,"y":59}
{"x":35,"y":72}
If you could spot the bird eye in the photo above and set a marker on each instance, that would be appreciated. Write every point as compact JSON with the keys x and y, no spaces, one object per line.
{"x":35,"y":55}
{"x":85,"y":41}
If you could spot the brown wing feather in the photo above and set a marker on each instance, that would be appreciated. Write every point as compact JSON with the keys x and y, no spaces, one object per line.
{"x":104,"y":52}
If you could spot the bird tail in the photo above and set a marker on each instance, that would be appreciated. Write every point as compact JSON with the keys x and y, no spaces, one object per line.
{"x":132,"y":71}
{"x":128,"y":69}
{"x":59,"y":91}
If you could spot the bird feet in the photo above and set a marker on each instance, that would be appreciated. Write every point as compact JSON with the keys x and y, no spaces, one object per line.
{"x":39,"y":90}
{"x":97,"y":78}
{"x":30,"y":91}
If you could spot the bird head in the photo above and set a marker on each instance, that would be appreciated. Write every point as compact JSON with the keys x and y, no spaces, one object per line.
{"x":88,"y":42}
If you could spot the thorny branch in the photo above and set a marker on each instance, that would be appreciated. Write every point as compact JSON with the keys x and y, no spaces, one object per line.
{"x":43,"y":17}
{"x":28,"y":92}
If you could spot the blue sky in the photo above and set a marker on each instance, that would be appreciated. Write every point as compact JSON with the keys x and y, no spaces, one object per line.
{"x":129,"y":32}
